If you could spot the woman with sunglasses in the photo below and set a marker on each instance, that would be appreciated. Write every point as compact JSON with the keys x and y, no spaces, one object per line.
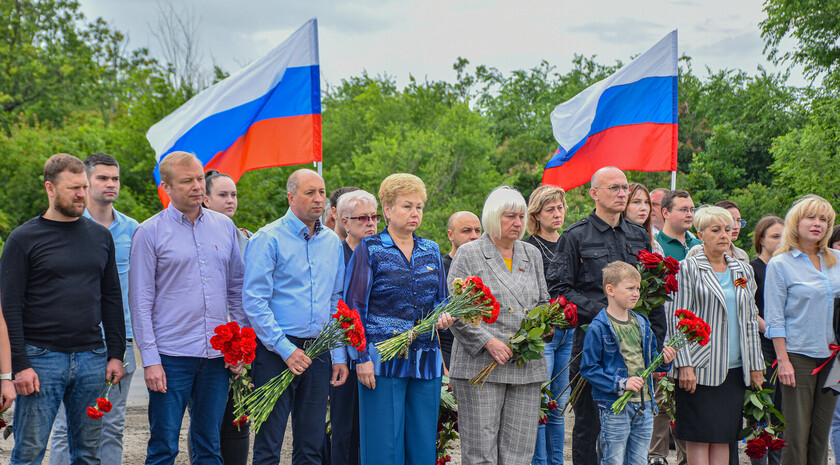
{"x":356,"y":211}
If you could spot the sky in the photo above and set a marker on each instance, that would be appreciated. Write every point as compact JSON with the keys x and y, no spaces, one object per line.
{"x":424,"y":38}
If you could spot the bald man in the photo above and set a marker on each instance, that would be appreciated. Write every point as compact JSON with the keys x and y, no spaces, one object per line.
{"x":585,"y":248}
{"x":462,"y":227}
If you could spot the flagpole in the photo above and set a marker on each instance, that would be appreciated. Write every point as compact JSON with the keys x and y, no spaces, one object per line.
{"x":318,"y":167}
{"x":673,"y":180}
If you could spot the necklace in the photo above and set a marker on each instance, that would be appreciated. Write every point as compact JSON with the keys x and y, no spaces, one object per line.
{"x":546,"y":251}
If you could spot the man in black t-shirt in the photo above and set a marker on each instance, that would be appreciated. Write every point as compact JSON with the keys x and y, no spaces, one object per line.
{"x":58,"y":283}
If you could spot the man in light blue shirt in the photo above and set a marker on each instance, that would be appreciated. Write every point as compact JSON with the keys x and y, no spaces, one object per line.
{"x":294,"y":275}
{"x":103,"y":172}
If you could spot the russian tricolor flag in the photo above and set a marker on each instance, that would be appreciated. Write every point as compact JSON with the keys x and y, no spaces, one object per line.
{"x":628,"y":120}
{"x":266,"y":114}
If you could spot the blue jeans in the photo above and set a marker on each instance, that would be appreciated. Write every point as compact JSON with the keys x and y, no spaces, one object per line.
{"x":113,"y":423}
{"x":305,"y":399}
{"x":77,"y":379}
{"x":204,"y":384}
{"x":551,"y":437}
{"x":625,"y":437}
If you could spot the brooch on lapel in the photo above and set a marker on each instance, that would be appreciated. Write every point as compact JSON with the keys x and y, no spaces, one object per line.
{"x":740,"y":282}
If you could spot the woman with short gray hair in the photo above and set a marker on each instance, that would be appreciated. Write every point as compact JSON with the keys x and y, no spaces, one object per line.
{"x":498,"y":422}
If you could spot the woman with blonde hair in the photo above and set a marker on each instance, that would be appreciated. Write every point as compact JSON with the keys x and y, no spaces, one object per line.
{"x":801,"y":283}
{"x":394,"y":279}
{"x":713,"y":378}
{"x":546,"y":213}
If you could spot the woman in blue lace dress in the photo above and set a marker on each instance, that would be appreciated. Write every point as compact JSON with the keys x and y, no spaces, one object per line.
{"x":394,"y":279}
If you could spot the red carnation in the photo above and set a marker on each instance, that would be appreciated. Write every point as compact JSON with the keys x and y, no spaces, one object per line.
{"x":224,"y":332}
{"x":683,"y":313}
{"x":104,"y":404}
{"x":443,"y":460}
{"x":248,"y":333}
{"x":756,"y":448}
{"x":476,"y":280}
{"x":248,"y":345}
{"x":94,"y":413}
{"x":241,"y":421}
{"x":544,"y":420}
{"x":552,"y":405}
{"x":234,"y":328}
{"x":776,"y":444}
{"x":671,"y":285}
{"x":217,"y":342}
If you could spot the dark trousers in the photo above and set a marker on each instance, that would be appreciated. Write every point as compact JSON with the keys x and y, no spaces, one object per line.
{"x":587,"y":420}
{"x":305,"y":399}
{"x":235,"y":440}
{"x":344,"y":420}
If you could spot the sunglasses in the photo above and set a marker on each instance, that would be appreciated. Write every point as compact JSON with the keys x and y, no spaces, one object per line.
{"x":366,"y":218}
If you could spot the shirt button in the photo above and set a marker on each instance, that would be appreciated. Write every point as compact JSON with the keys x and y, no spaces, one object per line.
{"x":207,"y":297}
{"x":202,"y":262}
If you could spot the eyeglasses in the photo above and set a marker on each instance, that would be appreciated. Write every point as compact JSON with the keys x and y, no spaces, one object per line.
{"x":686,"y":210}
{"x":616,"y":188}
{"x":366,"y":218}
{"x":741,"y":222}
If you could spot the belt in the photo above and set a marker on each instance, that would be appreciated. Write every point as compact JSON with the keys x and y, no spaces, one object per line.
{"x":300,"y":342}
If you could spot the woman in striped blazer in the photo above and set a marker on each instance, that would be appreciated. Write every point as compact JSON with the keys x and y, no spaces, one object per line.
{"x":713,"y":378}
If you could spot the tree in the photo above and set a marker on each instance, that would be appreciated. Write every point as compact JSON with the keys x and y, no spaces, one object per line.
{"x":814,"y":26}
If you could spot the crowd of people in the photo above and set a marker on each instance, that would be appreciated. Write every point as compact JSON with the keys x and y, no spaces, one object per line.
{"x":82,"y":284}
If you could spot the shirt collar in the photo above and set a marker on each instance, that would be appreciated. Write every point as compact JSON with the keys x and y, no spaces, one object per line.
{"x":602,"y":225}
{"x":181,"y":217}
{"x":671,"y":239}
{"x":388,"y":241}
{"x":117,"y":216}
{"x":300,"y":228}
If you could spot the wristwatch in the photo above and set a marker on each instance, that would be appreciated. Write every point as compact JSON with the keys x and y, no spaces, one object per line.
{"x":6,"y":376}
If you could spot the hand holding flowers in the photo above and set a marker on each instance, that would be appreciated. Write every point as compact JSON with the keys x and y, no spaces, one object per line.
{"x":691,"y":328}
{"x":658,"y":280}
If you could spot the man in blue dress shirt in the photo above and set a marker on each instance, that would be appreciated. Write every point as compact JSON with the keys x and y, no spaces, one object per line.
{"x":186,"y":275}
{"x":294,"y":277}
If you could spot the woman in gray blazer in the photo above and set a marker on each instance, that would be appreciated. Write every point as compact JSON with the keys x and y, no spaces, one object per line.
{"x":713,"y":378}
{"x":498,"y":422}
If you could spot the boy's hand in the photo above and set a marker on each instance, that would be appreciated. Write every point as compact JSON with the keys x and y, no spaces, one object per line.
{"x":634,"y":384}
{"x":668,"y":353}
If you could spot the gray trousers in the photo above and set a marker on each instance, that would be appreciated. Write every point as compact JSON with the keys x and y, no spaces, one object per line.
{"x":808,"y":409}
{"x":498,"y":422}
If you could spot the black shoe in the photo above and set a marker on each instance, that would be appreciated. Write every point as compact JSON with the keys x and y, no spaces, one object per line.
{"x":657,"y":461}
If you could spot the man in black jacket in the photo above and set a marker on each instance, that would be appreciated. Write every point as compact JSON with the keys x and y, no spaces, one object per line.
{"x":58,"y":283}
{"x":585,"y":248}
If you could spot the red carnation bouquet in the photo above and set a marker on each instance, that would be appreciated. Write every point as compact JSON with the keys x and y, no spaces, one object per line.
{"x":659,"y":280}
{"x":691,"y":328}
{"x":103,"y":405}
{"x":471,"y":301}
{"x":345,"y":327}
{"x":528,"y":343}
{"x":237,"y":345}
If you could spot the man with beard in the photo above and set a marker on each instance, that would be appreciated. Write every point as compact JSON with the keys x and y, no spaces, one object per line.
{"x":58,"y":283}
{"x":103,"y":173}
{"x":585,"y":248}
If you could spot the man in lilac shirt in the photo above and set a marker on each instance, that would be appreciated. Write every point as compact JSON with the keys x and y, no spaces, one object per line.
{"x":185,"y":275}
{"x":293,"y":280}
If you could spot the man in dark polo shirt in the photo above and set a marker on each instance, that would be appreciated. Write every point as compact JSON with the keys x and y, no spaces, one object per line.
{"x":678,"y":213}
{"x":58,"y":283}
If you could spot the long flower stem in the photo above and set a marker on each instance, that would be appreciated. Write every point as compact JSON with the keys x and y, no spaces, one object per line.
{"x":677,"y":342}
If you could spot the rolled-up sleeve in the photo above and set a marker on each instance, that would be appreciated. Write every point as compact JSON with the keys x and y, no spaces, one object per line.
{"x":775,"y":295}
